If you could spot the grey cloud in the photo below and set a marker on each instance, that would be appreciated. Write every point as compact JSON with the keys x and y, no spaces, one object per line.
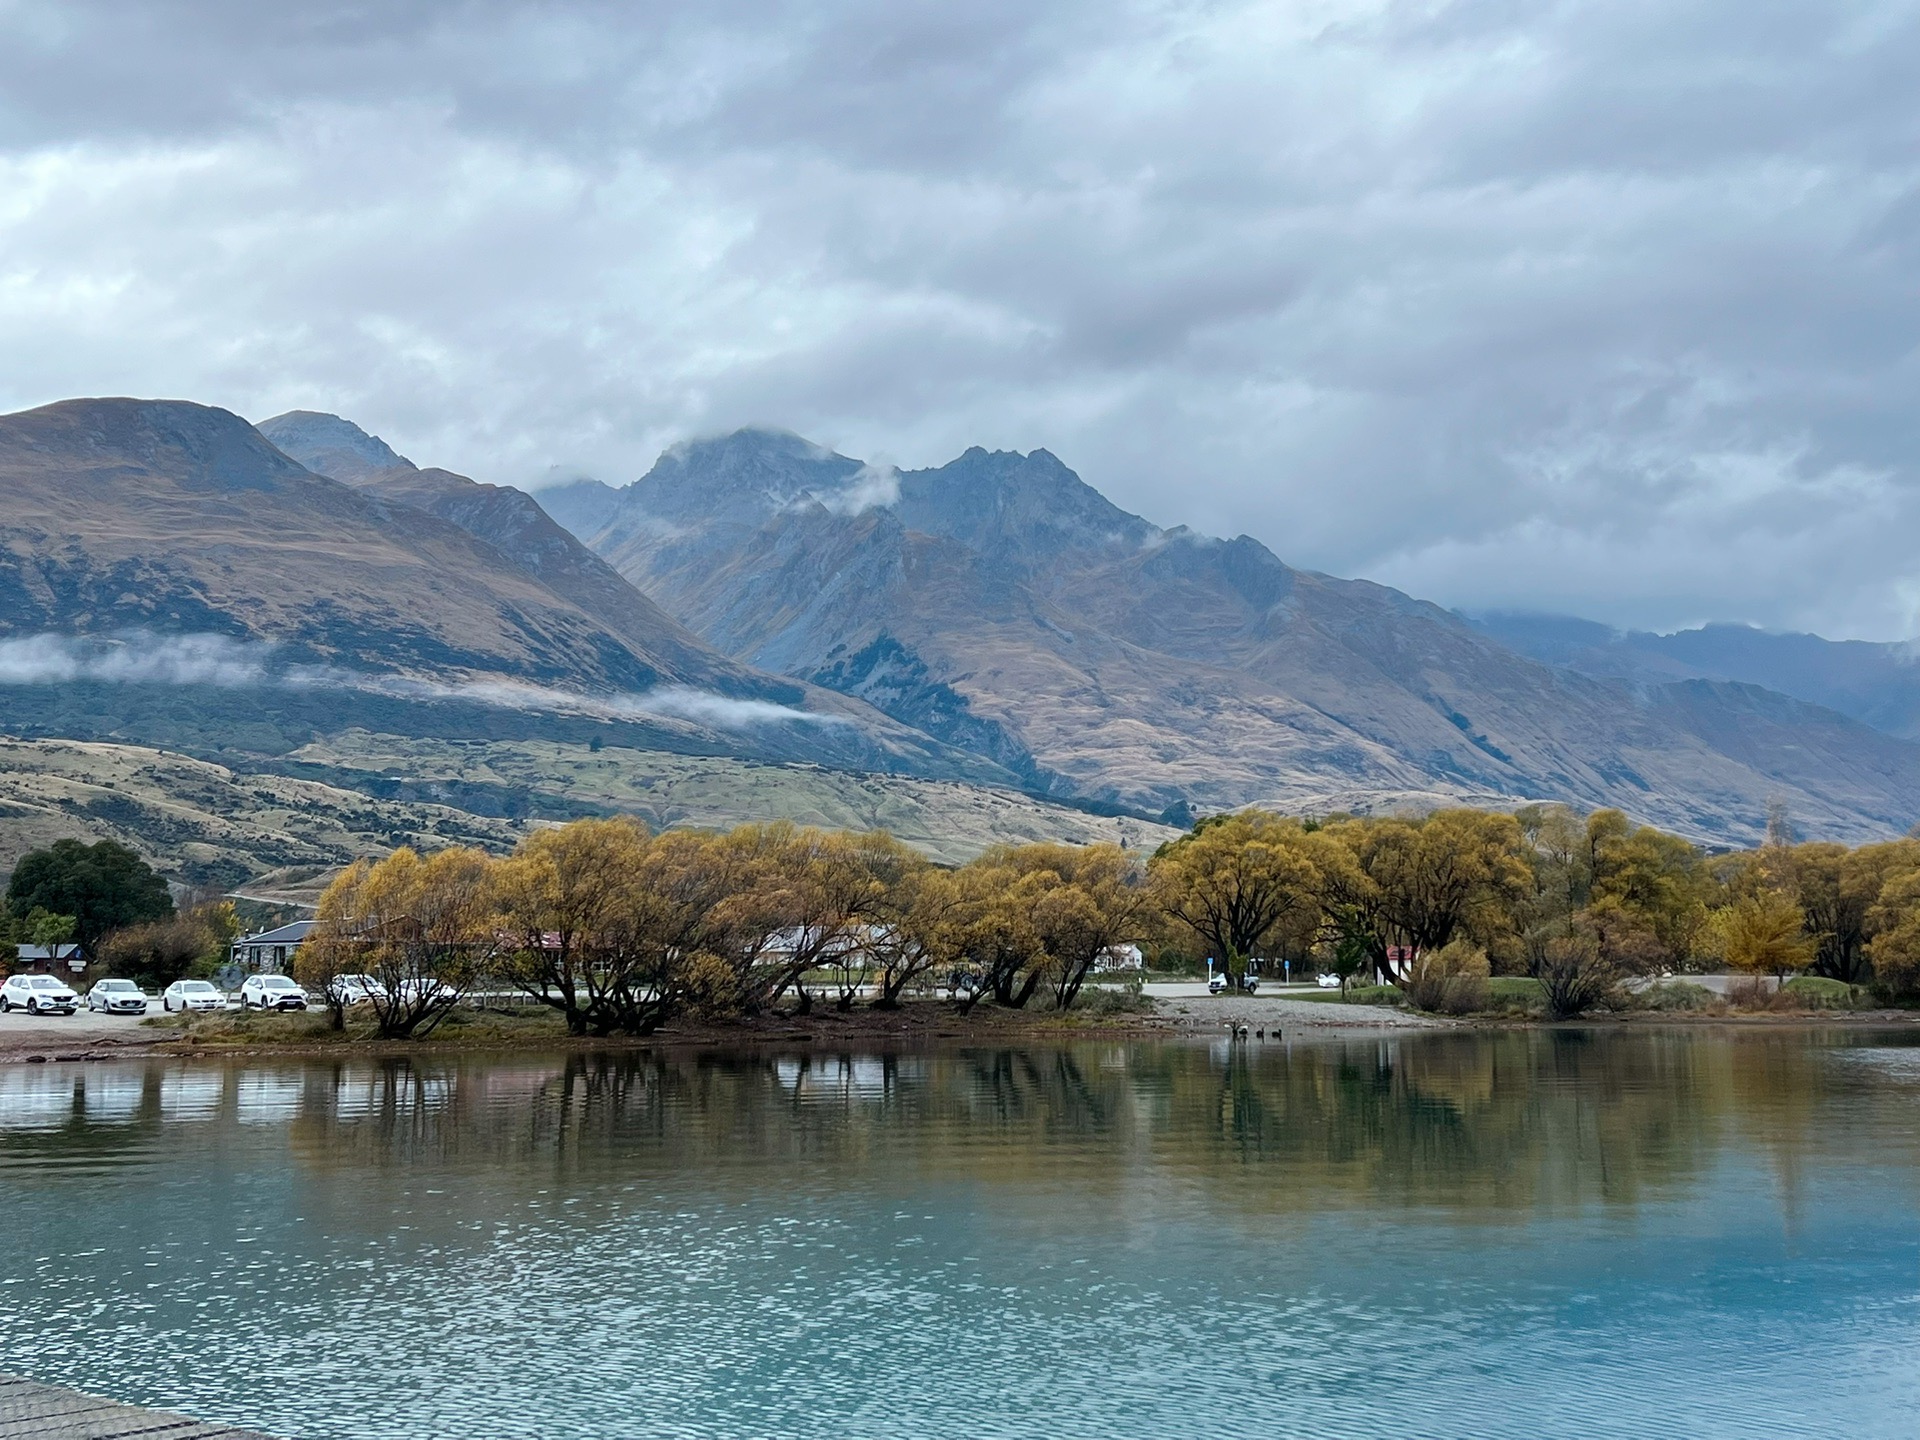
{"x":672,"y":702}
{"x":1595,"y":307}
{"x":168,"y":660}
{"x":871,"y":487}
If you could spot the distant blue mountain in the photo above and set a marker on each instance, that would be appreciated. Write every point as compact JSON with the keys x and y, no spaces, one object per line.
{"x":1875,"y":683}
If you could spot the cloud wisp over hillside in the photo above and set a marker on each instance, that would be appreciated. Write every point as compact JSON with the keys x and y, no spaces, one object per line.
{"x":220,"y":660}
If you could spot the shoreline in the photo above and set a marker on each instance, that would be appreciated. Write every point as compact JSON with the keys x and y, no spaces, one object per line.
{"x":914,"y":1025}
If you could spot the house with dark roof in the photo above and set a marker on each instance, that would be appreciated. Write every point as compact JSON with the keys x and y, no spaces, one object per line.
{"x":271,"y":951}
{"x":58,"y":959}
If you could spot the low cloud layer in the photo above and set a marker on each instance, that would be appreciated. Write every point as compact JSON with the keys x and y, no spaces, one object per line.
{"x":1595,"y":307}
{"x":221,"y":660}
{"x":135,"y":659}
{"x":871,"y":487}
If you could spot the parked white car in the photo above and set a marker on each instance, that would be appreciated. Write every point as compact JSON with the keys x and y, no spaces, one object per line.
{"x":426,"y":992}
{"x":1328,"y":982}
{"x":271,"y":992}
{"x":117,"y":997}
{"x":185,"y":995}
{"x":355,"y":989}
{"x":37,"y":995}
{"x":1217,"y":983}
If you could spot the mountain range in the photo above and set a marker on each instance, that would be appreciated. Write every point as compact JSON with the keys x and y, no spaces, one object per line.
{"x":1001,"y":604}
{"x":994,"y":620}
{"x":1876,"y":683}
{"x":149,"y":526}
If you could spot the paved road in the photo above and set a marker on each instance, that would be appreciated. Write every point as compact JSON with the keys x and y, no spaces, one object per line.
{"x":1193,"y":989}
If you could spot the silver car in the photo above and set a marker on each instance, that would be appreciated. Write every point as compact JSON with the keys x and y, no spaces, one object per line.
{"x":117,"y":997}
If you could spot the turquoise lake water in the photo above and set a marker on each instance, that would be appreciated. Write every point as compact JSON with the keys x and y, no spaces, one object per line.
{"x":1521,"y":1234}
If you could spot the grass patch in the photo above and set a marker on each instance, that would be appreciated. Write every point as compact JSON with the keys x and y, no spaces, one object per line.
{"x":1515,"y":995}
{"x":1111,"y":1000}
{"x":1676,"y":997}
{"x":1816,"y":992}
{"x":465,"y":1025}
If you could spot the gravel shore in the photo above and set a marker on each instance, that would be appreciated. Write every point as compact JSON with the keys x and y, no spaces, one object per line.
{"x":1270,"y":1013}
{"x":62,"y":1036}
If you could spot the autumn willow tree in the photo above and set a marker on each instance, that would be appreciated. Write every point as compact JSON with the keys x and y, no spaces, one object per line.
{"x":620,"y":930}
{"x":584,"y":929}
{"x":1408,"y":886}
{"x":1025,"y":920}
{"x":422,"y":929}
{"x":1239,"y":882}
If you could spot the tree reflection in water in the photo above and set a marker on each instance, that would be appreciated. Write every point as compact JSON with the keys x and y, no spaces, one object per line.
{"x":1486,"y":1123}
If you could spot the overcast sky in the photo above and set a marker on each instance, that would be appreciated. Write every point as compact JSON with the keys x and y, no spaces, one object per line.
{"x":1608,"y":308}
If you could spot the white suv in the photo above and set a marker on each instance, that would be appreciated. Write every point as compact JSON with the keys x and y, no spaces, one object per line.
{"x":272,"y":992}
{"x":38,"y":995}
{"x":355,"y":989}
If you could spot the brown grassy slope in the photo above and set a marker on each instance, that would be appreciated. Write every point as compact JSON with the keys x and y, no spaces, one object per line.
{"x":180,"y":517}
{"x":948,"y":821}
{"x":273,"y":836}
{"x":205,"y":824}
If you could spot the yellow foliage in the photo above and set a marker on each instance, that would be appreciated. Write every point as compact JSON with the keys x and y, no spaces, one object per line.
{"x":1763,"y":934}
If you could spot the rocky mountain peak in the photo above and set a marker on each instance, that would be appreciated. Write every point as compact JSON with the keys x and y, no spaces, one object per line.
{"x":200,"y":447}
{"x":746,"y":474}
{"x":581,"y":506}
{"x":1016,"y":506}
{"x":331,"y":446}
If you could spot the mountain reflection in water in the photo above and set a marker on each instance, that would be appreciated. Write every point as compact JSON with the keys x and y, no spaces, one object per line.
{"x":1515,"y":1233}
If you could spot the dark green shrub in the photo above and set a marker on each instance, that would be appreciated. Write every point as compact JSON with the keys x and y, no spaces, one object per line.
{"x":1452,"y":979}
{"x":1575,"y":978}
{"x":1466,"y":995}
